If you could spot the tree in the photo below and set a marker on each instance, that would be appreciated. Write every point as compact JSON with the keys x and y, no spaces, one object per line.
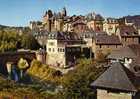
{"x":44,"y":72}
{"x":77,"y":82}
{"x":11,"y":40}
{"x":100,"y":56}
{"x":29,"y":42}
{"x":22,"y":64}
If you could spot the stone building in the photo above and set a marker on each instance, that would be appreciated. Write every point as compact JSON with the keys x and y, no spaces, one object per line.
{"x":63,"y":48}
{"x":117,"y":82}
{"x":128,"y":35}
{"x":128,"y":55}
{"x":129,"y":20}
{"x":110,"y":25}
{"x":48,"y":20}
{"x":79,"y":26}
{"x":105,"y":43}
{"x":54,"y":21}
{"x":68,"y":26}
{"x":35,"y":25}
{"x":41,"y":56}
{"x":95,"y":23}
{"x":59,"y":24}
{"x":41,"y":36}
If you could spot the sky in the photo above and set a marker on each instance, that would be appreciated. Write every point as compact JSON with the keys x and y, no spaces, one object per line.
{"x":21,"y":12}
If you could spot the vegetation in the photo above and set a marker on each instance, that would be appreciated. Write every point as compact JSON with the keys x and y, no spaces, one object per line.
{"x":76,"y":83}
{"x":11,"y":90}
{"x":44,"y":72}
{"x":100,"y":56}
{"x":22,"y":64}
{"x":12,"y":39}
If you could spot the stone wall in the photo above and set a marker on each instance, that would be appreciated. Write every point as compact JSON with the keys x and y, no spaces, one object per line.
{"x":128,"y":41}
{"x":56,"y":59}
{"x":14,"y":57}
{"x":103,"y":94}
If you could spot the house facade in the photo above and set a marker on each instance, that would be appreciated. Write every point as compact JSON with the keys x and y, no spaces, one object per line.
{"x":117,"y":82}
{"x":105,"y":43}
{"x":95,"y":23}
{"x":63,"y":49}
{"x":110,"y":25}
{"x":128,"y":35}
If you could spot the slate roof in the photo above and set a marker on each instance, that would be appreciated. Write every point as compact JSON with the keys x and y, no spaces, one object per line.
{"x":104,"y":39}
{"x":118,"y":77}
{"x":122,"y":53}
{"x":135,"y":48}
{"x":65,"y":37}
{"x":127,"y":31}
{"x":98,"y":17}
{"x":133,"y":19}
{"x":112,"y":20}
{"x":79,"y":22}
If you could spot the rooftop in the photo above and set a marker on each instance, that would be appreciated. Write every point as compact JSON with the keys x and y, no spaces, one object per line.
{"x":104,"y":39}
{"x":118,"y":77}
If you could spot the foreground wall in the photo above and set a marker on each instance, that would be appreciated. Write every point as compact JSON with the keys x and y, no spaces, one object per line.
{"x":103,"y":94}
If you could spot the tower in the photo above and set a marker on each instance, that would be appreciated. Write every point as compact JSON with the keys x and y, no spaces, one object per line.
{"x":47,"y":20}
{"x":64,"y":12}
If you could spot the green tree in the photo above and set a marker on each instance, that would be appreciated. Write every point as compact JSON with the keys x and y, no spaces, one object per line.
{"x":77,"y":82}
{"x":29,"y":42}
{"x":22,"y":64}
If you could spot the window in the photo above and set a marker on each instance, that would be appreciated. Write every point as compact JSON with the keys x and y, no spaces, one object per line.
{"x":78,"y":49}
{"x":61,"y":49}
{"x":100,"y":46}
{"x":51,"y":43}
{"x":53,"y":50}
{"x":49,"y":49}
{"x":133,"y":39}
{"x":125,"y":39}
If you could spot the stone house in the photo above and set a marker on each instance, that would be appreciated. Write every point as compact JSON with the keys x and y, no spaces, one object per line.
{"x":117,"y":82}
{"x":79,"y":26}
{"x":63,"y":48}
{"x":41,"y":36}
{"x":68,"y":25}
{"x":105,"y":43}
{"x":122,"y":53}
{"x":96,"y":23}
{"x":110,"y":25}
{"x":128,"y":55}
{"x":128,"y":35}
{"x":54,"y":21}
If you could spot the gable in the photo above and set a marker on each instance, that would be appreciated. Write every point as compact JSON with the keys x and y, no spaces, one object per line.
{"x":115,"y":78}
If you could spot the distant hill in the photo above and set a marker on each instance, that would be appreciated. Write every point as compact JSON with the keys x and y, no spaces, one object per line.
{"x":11,"y":27}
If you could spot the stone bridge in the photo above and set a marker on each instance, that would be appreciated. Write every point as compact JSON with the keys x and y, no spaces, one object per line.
{"x":14,"y":57}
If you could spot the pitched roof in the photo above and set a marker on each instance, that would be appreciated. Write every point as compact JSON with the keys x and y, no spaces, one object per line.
{"x":117,"y":77}
{"x":135,"y":48}
{"x":105,"y":39}
{"x":67,"y":37}
{"x":79,"y":22}
{"x":128,"y":31}
{"x":98,"y":17}
{"x":122,"y":53}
